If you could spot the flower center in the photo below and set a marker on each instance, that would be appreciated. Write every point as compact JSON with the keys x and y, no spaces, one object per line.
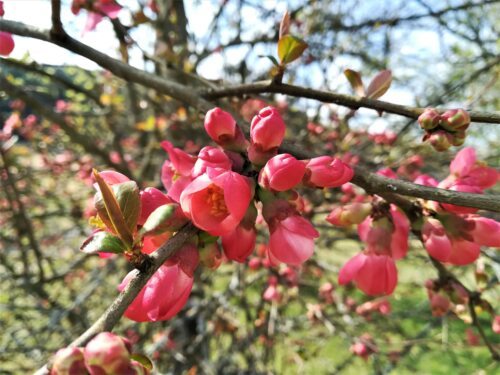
{"x":215,"y":199}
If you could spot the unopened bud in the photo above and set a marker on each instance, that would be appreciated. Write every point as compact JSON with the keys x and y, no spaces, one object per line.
{"x":68,"y":361}
{"x":429,"y":119}
{"x":455,"y":119}
{"x":210,"y":255}
{"x":440,"y":140}
{"x":458,"y":138}
{"x":107,"y":354}
{"x":350,"y":214}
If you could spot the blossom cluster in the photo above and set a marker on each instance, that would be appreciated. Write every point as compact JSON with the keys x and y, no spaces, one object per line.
{"x":6,"y":40}
{"x":224,"y":191}
{"x":444,"y":130}
{"x":106,"y":353}
{"x":450,"y":233}
{"x":97,"y":9}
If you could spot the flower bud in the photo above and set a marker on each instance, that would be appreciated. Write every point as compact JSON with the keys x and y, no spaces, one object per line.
{"x":440,"y":140}
{"x":210,"y":254}
{"x":429,"y":119}
{"x":458,"y":138}
{"x":350,"y":214}
{"x":267,"y":129}
{"x":327,"y":172}
{"x":106,"y":354}
{"x":455,"y":119}
{"x":222,"y":128}
{"x":282,"y":172}
{"x":68,"y":361}
{"x":6,"y":43}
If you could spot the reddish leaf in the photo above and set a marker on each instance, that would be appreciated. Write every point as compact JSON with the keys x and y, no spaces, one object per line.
{"x":379,"y":84}
{"x":284,"y":25}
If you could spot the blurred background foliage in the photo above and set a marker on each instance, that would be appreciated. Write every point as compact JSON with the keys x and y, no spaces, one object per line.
{"x":61,"y":121}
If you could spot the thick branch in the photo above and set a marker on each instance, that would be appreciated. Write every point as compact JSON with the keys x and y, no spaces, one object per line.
{"x":350,"y":101}
{"x":185,"y":94}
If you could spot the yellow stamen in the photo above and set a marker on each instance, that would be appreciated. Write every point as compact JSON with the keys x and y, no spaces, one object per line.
{"x":215,"y":198}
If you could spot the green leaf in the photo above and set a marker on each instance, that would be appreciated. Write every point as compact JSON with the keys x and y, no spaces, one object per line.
{"x":379,"y":84}
{"x":163,"y":219}
{"x":143,"y":360}
{"x":290,"y":48}
{"x":272,"y":58}
{"x":103,"y":242}
{"x":355,"y":80}
{"x":118,"y":207}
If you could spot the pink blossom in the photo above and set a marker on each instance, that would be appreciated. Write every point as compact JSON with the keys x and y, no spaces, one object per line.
{"x":2,"y":11}
{"x":181,"y":161}
{"x":111,"y":178}
{"x":440,"y":305}
{"x":217,"y":200}
{"x":485,"y":232}
{"x":465,"y":169}
{"x":210,"y":157}
{"x":426,"y":180}
{"x":239,"y":243}
{"x":6,"y":43}
{"x":271,"y":293}
{"x":460,"y":209}
{"x":292,"y":240}
{"x":327,"y":172}
{"x":96,"y":14}
{"x":282,"y":172}
{"x":373,"y":274}
{"x":176,"y":172}
{"x":167,"y":291}
{"x":151,"y":199}
{"x":267,"y":129}
{"x":387,"y":172}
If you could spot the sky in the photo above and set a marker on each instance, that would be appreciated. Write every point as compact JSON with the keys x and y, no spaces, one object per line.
{"x":199,"y":13}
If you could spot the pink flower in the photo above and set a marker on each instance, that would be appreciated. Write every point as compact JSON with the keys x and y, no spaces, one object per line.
{"x":222,"y":128}
{"x":385,"y":237}
{"x":167,"y":291}
{"x":239,"y":243}
{"x":271,"y":293}
{"x":68,"y":361}
{"x":387,"y":172}
{"x":6,"y":43}
{"x":267,"y":129}
{"x":440,"y":305}
{"x":176,"y":172}
{"x":111,"y":178}
{"x":106,"y":354}
{"x":445,"y":248}
{"x":151,"y":199}
{"x":485,"y":232}
{"x":465,"y":169}
{"x":217,"y":200}
{"x":373,"y":274}
{"x":2,"y":11}
{"x":282,"y":172}
{"x":426,"y":180}
{"x":100,"y":9}
{"x":210,"y":157}
{"x":460,"y":209}
{"x":327,"y":172}
{"x":292,"y":240}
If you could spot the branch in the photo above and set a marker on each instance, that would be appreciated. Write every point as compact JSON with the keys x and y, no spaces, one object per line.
{"x":350,"y":101}
{"x":115,"y":311}
{"x":186,"y":95}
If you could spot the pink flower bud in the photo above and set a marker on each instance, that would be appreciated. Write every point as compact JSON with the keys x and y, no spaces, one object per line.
{"x":439,"y":304}
{"x":254,"y":263}
{"x":495,"y":326}
{"x":429,"y":119}
{"x":106,"y":354}
{"x":458,"y":138}
{"x":267,"y":129}
{"x":282,"y":172}
{"x":350,"y":214}
{"x":327,"y":172}
{"x":151,"y":199}
{"x":6,"y":43}
{"x":2,"y":11}
{"x":440,"y":140}
{"x":455,"y":119}
{"x":68,"y":361}
{"x":222,"y":128}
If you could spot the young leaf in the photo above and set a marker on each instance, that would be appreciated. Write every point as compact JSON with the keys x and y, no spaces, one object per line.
{"x":128,"y":197}
{"x":143,"y":360}
{"x":284,"y":25}
{"x":379,"y":84}
{"x":290,"y":48}
{"x":103,"y":242}
{"x":355,"y":80}
{"x":162,"y":219}
{"x":109,"y":209}
{"x":272,"y":58}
